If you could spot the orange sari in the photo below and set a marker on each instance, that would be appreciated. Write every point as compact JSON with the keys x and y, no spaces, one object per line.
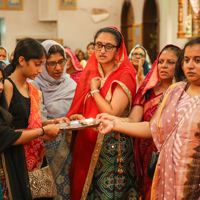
{"x":34,"y":150}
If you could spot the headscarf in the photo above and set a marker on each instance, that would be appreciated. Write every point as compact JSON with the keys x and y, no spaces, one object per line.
{"x":86,"y":139}
{"x":151,"y":79}
{"x":75,"y":62}
{"x":146,"y":63}
{"x":5,"y":63}
{"x":54,"y":89}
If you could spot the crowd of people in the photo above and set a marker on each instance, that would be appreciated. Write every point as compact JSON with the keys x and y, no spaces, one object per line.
{"x":139,"y":109}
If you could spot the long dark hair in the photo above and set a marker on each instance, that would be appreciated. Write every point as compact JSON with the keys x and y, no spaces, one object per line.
{"x":5,"y":116}
{"x":29,"y":48}
{"x":179,"y":74}
{"x":117,"y":35}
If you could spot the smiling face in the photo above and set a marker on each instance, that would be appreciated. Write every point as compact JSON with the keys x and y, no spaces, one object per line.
{"x":103,"y":56}
{"x":166,"y":65}
{"x":191,"y":64}
{"x":31,"y":68}
{"x":57,"y":71}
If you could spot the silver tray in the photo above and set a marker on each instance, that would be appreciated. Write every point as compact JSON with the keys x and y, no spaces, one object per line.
{"x":79,"y":124}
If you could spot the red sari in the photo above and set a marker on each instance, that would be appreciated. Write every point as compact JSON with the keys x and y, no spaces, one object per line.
{"x":88,"y":142}
{"x":144,"y":147}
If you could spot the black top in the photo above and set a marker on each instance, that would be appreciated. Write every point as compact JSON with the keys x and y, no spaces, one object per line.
{"x":19,"y":108}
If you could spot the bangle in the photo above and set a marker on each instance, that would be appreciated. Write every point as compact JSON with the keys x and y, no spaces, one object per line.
{"x":121,"y":119}
{"x":93,"y":91}
{"x":43,"y":132}
{"x":39,"y":134}
{"x":112,"y":126}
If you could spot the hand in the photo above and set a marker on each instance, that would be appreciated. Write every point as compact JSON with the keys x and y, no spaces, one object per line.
{"x":140,"y":68}
{"x":105,"y":126}
{"x":76,"y":117}
{"x":107,"y":117}
{"x":51,"y":132}
{"x":61,"y":120}
{"x":95,"y":83}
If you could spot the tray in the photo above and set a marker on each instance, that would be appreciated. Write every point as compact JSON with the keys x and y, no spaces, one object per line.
{"x":79,"y":124}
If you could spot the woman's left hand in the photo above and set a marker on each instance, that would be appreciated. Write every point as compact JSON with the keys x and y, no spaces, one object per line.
{"x":61,"y":120}
{"x":95,"y":83}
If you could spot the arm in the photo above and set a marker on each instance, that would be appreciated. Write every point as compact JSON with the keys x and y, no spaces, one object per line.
{"x":8,"y":89}
{"x":139,"y":130}
{"x":50,"y":133}
{"x":118,"y":104}
{"x":136,"y":114}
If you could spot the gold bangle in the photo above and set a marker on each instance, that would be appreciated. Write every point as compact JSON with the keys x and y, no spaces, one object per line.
{"x":121,"y":119}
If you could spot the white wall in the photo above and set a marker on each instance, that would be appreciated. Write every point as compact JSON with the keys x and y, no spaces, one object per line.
{"x":77,"y":28}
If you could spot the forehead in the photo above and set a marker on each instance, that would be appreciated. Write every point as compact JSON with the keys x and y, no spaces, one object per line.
{"x":193,"y":50}
{"x":168,"y":54}
{"x":2,"y":51}
{"x":139,"y":50}
{"x":55,"y":56}
{"x":106,"y":38}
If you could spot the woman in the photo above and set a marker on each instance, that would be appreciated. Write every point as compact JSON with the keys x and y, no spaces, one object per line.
{"x":74,"y":68}
{"x":14,"y":184}
{"x":177,"y":122}
{"x":107,"y":84}
{"x":90,"y":50}
{"x":58,"y":91}
{"x":140,"y":61}
{"x":158,"y":79}
{"x":23,"y":98}
{"x":3,"y":54}
{"x":81,"y":58}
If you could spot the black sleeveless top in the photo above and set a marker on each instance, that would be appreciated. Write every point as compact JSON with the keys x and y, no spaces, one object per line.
{"x":19,"y":108}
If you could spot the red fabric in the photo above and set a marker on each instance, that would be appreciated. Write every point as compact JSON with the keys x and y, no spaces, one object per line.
{"x":144,"y":147}
{"x":86,"y":139}
{"x":34,"y":150}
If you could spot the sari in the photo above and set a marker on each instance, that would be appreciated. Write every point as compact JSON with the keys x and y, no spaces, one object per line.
{"x":177,"y":174}
{"x":88,"y":151}
{"x":146,"y":98}
{"x":75,"y":64}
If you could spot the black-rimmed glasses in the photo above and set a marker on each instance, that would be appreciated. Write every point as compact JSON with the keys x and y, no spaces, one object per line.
{"x":107,"y":47}
{"x":52,"y":64}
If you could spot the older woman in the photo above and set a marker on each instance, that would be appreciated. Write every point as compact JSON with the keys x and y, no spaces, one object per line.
{"x":140,"y":61}
{"x":58,"y":91}
{"x":74,"y":68}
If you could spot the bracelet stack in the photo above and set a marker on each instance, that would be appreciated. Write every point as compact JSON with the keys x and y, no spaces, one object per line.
{"x":40,"y":134}
{"x":93,"y":91}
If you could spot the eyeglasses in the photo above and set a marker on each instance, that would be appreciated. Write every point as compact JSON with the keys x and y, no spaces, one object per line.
{"x":52,"y":64}
{"x":107,"y":47}
{"x":138,"y":54}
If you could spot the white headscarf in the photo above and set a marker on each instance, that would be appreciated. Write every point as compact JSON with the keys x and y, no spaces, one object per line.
{"x":57,"y":93}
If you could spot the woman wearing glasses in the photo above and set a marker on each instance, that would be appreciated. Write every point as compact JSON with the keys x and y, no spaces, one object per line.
{"x":58,"y":91}
{"x":140,"y":61}
{"x":102,"y":167}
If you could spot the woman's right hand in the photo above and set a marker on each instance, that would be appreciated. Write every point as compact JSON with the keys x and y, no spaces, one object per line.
{"x":106,"y":116}
{"x":105,"y":126}
{"x":76,"y":117}
{"x":51,"y":132}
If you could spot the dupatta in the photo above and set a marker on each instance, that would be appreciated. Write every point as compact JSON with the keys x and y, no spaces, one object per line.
{"x":34,"y":150}
{"x":87,"y":140}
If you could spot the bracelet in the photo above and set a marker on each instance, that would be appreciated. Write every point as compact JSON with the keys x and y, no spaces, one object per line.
{"x":93,"y":91}
{"x":112,"y":126}
{"x":39,"y":134}
{"x":121,"y":119}
{"x":43,"y":132}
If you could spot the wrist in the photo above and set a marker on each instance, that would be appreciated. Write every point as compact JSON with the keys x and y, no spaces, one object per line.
{"x":112,"y":126}
{"x":93,"y":91}
{"x":43,"y":131}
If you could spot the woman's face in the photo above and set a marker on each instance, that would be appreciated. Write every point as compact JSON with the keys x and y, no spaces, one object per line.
{"x":191,"y":64}
{"x":81,"y":56}
{"x":31,"y":68}
{"x":1,"y":83}
{"x":3,"y":55}
{"x":166,"y":64}
{"x":90,"y":50}
{"x":103,"y":56}
{"x":69,"y":62}
{"x":137,"y":55}
{"x":55,"y":65}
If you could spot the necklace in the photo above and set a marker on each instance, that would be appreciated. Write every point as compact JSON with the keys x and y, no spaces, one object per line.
{"x":17,"y":87}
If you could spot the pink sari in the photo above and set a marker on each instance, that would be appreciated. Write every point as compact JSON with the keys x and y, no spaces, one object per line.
{"x":177,"y":174}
